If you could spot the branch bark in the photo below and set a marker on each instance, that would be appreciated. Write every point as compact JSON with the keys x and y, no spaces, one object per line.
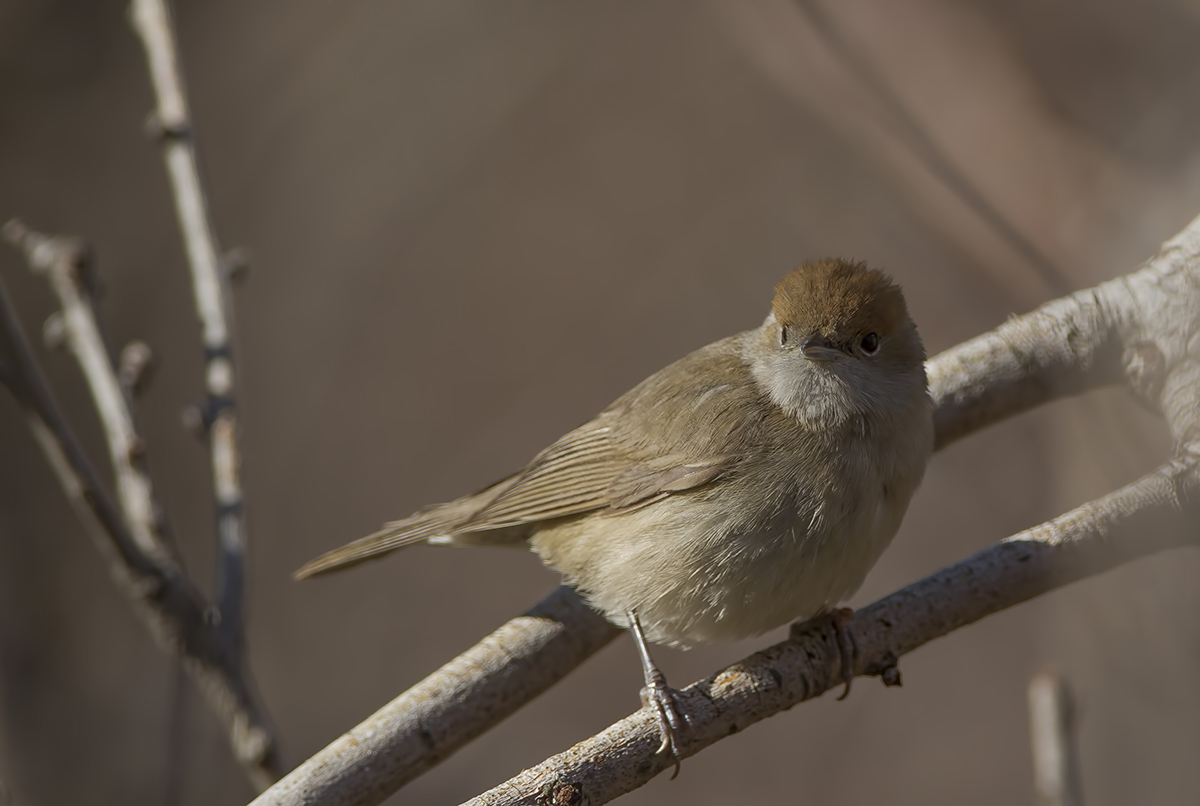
{"x":1052,"y":738}
{"x":1157,"y":512}
{"x":152,"y":21}
{"x":63,"y":261}
{"x":1140,"y":328}
{"x":175,"y":613}
{"x":451,"y":707}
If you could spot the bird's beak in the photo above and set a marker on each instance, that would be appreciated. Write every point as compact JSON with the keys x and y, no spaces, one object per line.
{"x":818,"y":348}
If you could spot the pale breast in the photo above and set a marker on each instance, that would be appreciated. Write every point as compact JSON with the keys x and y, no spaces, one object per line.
{"x":739,"y":559}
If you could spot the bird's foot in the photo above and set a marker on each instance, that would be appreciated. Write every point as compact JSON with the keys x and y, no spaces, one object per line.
{"x":665,"y":701}
{"x":662,"y":697}
{"x":840,"y":621}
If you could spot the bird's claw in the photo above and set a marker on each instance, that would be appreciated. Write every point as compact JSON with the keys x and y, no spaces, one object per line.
{"x":843,"y":635}
{"x":664,"y":700}
{"x":657,"y":693}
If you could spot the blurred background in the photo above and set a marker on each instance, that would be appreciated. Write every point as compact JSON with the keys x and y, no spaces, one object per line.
{"x":471,"y":226}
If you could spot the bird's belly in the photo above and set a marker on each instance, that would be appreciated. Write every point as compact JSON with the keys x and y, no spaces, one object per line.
{"x":694,"y":576}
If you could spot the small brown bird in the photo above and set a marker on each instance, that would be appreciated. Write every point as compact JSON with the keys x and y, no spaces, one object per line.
{"x":752,"y":483}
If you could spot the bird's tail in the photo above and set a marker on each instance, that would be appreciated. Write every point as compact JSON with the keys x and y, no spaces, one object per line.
{"x":436,"y":524}
{"x":394,"y":535}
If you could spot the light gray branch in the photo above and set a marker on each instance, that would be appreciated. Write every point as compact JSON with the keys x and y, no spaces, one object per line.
{"x":1139,"y":328}
{"x":1052,"y":739}
{"x":175,"y":613}
{"x":1157,"y":512}
{"x":152,"y":21}
{"x":451,"y":707}
{"x":1145,"y":326}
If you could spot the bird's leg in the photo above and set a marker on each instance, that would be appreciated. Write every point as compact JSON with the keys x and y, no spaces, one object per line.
{"x":840,"y":620}
{"x":658,"y":693}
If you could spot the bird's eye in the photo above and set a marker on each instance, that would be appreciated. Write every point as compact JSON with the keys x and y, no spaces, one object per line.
{"x":869,"y":343}
{"x":783,"y":334}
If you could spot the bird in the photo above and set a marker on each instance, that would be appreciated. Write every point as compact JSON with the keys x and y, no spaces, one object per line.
{"x":751,"y":483}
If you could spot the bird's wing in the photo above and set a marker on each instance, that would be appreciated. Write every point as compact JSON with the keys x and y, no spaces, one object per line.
{"x":669,"y":434}
{"x":680,"y":429}
{"x":568,"y":478}
{"x":586,"y":471}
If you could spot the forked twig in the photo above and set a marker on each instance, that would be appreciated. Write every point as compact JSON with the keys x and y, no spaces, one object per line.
{"x":172,"y":124}
{"x":64,"y":263}
{"x":173,"y":610}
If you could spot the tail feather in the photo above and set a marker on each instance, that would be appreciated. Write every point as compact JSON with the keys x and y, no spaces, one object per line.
{"x":441,"y":520}
{"x":393,"y":536}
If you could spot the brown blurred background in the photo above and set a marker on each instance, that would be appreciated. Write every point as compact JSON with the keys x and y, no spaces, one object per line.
{"x":472,"y":225}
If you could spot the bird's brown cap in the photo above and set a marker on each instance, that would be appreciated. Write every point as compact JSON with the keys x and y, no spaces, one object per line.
{"x":839,"y":297}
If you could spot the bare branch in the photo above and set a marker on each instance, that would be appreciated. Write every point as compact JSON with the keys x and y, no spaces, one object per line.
{"x":61,"y":260}
{"x":451,"y":707}
{"x":1068,"y":346}
{"x":1063,"y":348}
{"x":1087,"y":340}
{"x":174,"y":611}
{"x":1157,"y":512}
{"x":152,"y":21}
{"x":135,"y":367}
{"x":1051,"y":734}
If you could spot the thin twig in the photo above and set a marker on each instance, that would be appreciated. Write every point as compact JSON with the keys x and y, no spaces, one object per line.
{"x":152,"y":21}
{"x":1052,"y":739}
{"x":1155,"y":513}
{"x":172,"y":609}
{"x":65,"y":262}
{"x":62,"y":261}
{"x":1063,"y":348}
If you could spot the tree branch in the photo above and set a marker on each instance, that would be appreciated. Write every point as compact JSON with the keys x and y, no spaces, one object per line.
{"x":1138,"y":328}
{"x":63,"y":261}
{"x":1157,"y":512}
{"x":175,"y":612}
{"x":1052,"y":739}
{"x":451,"y":707}
{"x":152,"y":21}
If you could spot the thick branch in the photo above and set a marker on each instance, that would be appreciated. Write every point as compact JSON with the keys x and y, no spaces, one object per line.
{"x":152,"y":21}
{"x":1157,"y":512}
{"x":1063,"y":348}
{"x":174,"y":612}
{"x":1141,"y":327}
{"x":434,"y":718}
{"x":1085,"y":341}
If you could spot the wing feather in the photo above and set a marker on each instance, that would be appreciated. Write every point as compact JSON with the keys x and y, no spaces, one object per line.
{"x":568,"y":478}
{"x":638,"y":449}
